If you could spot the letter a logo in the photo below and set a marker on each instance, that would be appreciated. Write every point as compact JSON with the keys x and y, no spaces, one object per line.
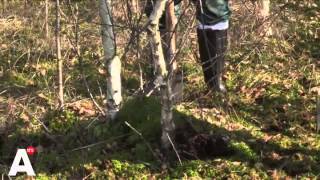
{"x":26,"y":167}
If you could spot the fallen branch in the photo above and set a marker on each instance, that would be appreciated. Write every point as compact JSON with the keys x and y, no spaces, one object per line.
{"x":174,"y":148}
{"x":97,"y":143}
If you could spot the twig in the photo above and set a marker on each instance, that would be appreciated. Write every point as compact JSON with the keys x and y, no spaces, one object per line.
{"x":92,"y":122}
{"x":98,"y":143}
{"x":144,"y":140}
{"x":4,"y":91}
{"x":318,"y":113}
{"x":86,"y":177}
{"x":174,"y":148}
{"x":141,"y":77}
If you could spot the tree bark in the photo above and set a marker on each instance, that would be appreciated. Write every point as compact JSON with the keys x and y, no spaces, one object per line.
{"x":4,"y":6}
{"x":114,"y":97}
{"x":171,"y":21}
{"x":135,"y":6}
{"x":60,"y":62}
{"x":46,"y":19}
{"x":318,"y":113}
{"x":162,"y":73}
{"x":155,"y":39}
{"x":264,"y":14}
{"x":264,"y":8}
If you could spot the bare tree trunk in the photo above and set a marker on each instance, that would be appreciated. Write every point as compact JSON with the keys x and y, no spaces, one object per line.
{"x":4,"y":6}
{"x":135,"y":6}
{"x":114,"y":97}
{"x":60,"y":62}
{"x":167,"y":92}
{"x":46,"y":19}
{"x":162,"y":73}
{"x":171,"y":22}
{"x":155,"y":39}
{"x":264,"y":14}
{"x":264,"y":8}
{"x":318,"y":113}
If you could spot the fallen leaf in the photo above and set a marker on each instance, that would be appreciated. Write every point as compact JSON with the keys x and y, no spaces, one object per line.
{"x":316,"y":90}
{"x":24,"y":117}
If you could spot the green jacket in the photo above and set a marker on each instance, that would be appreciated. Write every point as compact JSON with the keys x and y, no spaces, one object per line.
{"x":212,"y":11}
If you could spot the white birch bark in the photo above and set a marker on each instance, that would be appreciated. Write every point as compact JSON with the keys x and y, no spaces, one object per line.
{"x":114,"y":97}
{"x":161,"y":73}
{"x":155,"y":40}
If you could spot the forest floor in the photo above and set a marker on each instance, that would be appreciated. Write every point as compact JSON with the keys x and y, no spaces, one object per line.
{"x":268,"y":114}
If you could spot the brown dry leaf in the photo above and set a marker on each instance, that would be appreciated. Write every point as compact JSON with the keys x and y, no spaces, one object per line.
{"x":243,"y":89}
{"x":316,"y":90}
{"x":84,"y":107}
{"x":288,"y":178}
{"x":87,"y":112}
{"x":258,"y":92}
{"x":307,"y":116}
{"x":267,"y":138}
{"x":275,"y":156}
{"x":43,"y":72}
{"x":275,"y":175}
{"x":233,"y":126}
{"x":3,"y":46}
{"x":24,"y":117}
{"x":30,"y":82}
{"x":41,"y":95}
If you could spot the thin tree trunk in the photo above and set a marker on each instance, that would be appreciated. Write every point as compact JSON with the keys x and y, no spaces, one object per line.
{"x":171,"y":22}
{"x":161,"y":73}
{"x":76,"y":27}
{"x":175,"y":78}
{"x":46,"y":19}
{"x":264,"y":14}
{"x":4,"y":6}
{"x":155,"y":39}
{"x":114,"y":97}
{"x":167,"y":92}
{"x":60,"y":62}
{"x":135,"y":6}
{"x":318,"y":112}
{"x":264,"y":8}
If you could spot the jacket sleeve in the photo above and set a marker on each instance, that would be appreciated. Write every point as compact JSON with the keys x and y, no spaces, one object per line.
{"x":210,"y":12}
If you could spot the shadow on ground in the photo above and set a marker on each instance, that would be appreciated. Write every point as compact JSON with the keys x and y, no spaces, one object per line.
{"x":76,"y":149}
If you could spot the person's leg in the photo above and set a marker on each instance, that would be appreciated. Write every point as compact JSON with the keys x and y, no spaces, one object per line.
{"x":212,"y":48}
{"x":205,"y":54}
{"x":220,"y":38}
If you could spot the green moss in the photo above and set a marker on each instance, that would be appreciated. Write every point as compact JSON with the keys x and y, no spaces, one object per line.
{"x":128,"y":170}
{"x":191,"y":69}
{"x":144,"y":115}
{"x":17,"y":79}
{"x":61,"y":121}
{"x":244,"y":151}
